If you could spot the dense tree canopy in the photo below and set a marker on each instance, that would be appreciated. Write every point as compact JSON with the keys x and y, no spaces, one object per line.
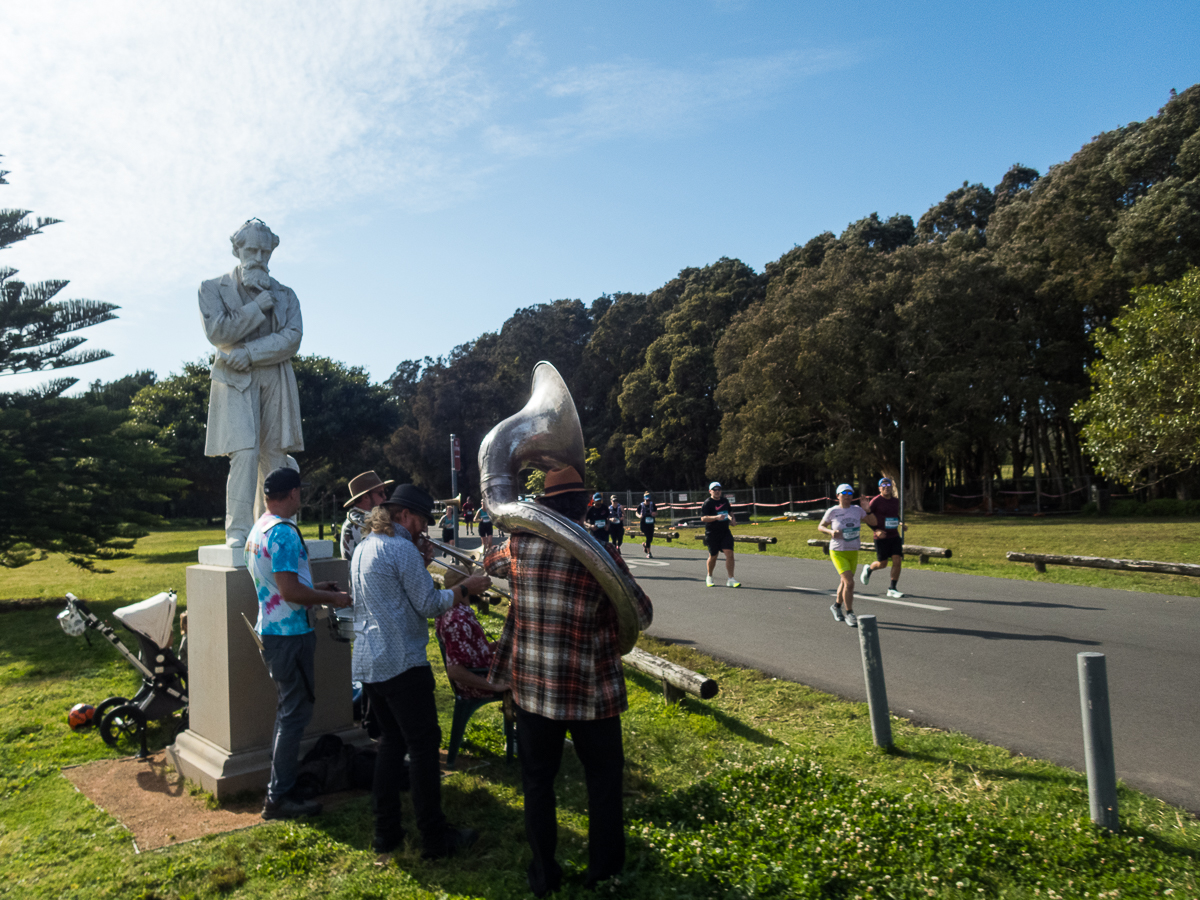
{"x":1140,"y":423}
{"x":78,"y":478}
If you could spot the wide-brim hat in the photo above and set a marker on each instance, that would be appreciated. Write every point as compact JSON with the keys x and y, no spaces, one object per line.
{"x":566,"y":480}
{"x":361,"y":485}
{"x":412,"y":498}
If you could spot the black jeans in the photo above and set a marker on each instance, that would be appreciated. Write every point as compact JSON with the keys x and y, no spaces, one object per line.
{"x":408,"y":723}
{"x":598,"y":746}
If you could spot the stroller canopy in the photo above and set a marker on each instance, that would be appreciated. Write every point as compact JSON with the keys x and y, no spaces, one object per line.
{"x":153,"y":618}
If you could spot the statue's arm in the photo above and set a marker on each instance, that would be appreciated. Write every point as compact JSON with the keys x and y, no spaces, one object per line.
{"x":222,"y":327}
{"x":283,"y":343}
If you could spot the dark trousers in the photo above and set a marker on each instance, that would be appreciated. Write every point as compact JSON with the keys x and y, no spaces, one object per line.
{"x":408,"y":723}
{"x":598,"y":746}
{"x":648,"y":532}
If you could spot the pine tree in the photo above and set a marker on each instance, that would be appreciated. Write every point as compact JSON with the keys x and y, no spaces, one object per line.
{"x":78,"y":478}
{"x":32,"y":323}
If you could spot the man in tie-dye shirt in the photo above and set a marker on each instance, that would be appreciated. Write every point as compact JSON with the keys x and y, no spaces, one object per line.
{"x":278,"y":562}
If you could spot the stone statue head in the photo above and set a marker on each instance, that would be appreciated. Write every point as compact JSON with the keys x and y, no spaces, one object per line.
{"x":253,"y":245}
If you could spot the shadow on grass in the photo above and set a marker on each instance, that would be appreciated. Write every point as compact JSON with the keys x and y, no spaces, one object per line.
{"x":1063,"y":778}
{"x":173,"y":558}
{"x":698,"y":707}
{"x":988,"y":635}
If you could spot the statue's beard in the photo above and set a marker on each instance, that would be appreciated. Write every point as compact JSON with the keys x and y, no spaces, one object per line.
{"x":256,"y":277}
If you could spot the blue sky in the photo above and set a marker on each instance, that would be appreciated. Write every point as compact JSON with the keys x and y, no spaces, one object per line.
{"x":432,"y":167}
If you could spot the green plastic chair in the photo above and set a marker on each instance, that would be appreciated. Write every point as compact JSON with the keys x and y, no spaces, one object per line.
{"x":464,"y":708}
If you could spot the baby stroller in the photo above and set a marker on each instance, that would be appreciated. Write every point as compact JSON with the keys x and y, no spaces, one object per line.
{"x":164,"y":673}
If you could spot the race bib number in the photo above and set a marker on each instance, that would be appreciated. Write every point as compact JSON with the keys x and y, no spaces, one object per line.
{"x":850,"y":532}
{"x":891,"y":523}
{"x":649,"y":520}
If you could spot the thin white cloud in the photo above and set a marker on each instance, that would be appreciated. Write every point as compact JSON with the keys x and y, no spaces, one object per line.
{"x":173,"y":120}
{"x":610,"y":100}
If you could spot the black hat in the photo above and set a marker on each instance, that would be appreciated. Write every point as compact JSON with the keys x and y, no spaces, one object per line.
{"x":411,"y":497}
{"x":282,"y":481}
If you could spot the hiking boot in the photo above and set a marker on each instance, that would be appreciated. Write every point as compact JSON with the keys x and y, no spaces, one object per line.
{"x":708,"y":582}
{"x":729,"y":582}
{"x":892,"y":592}
{"x":836,"y":609}
{"x":851,"y":620}
{"x":287,"y":808}
{"x":865,"y":575}
{"x":453,"y":840}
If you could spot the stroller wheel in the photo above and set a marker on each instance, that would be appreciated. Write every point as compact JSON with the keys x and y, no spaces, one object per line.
{"x":123,"y":728}
{"x":103,"y":709}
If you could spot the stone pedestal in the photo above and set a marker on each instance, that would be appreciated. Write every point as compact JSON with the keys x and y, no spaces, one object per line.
{"x":231,"y":714}
{"x":235,"y":557}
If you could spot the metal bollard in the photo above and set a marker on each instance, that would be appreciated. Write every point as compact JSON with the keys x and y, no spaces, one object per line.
{"x":1097,"y":740}
{"x":868,"y":639}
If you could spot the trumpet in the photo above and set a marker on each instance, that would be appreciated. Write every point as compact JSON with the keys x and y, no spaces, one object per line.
{"x":468,"y":563}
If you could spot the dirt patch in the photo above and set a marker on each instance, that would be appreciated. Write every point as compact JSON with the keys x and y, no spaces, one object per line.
{"x":149,"y":798}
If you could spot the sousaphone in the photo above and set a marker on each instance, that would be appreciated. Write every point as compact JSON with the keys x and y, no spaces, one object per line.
{"x":546,"y":435}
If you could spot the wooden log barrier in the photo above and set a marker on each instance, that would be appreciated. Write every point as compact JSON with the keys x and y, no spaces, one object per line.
{"x":667,"y":536}
{"x":1041,"y":560}
{"x":909,"y":550}
{"x":676,"y":680}
{"x":747,"y":539}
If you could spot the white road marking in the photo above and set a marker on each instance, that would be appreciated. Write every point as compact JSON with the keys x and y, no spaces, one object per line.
{"x":653,"y":563}
{"x":875,"y":599}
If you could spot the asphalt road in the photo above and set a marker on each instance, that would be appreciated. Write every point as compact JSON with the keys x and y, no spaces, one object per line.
{"x":989,"y":657}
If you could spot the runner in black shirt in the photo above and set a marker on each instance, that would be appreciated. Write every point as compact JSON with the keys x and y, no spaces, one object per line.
{"x":717,"y":516}
{"x":597,"y":518}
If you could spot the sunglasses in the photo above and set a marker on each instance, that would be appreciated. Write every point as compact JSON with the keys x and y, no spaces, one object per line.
{"x":885,"y":484}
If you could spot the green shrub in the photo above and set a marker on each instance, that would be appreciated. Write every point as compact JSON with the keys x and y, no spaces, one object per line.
{"x":1127,"y":508}
{"x":1089,"y":509}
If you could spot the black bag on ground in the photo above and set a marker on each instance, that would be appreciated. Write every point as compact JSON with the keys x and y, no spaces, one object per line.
{"x":331,"y":766}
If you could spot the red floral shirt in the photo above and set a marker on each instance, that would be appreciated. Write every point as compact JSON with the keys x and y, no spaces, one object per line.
{"x":466,"y":645}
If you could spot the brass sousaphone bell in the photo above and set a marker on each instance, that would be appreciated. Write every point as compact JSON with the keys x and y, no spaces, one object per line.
{"x":546,"y":435}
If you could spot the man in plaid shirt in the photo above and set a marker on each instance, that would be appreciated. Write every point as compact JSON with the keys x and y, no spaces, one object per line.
{"x":560,"y":656}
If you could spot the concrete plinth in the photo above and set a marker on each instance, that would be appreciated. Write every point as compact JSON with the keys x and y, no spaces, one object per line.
{"x":231,"y":699}
{"x":235,"y":557}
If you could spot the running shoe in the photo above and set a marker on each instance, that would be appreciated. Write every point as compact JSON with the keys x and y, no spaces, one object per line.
{"x":729,"y":582}
{"x":708,"y":582}
{"x":865,"y":575}
{"x":851,"y":620}
{"x":892,"y":592}
{"x":837,"y":613}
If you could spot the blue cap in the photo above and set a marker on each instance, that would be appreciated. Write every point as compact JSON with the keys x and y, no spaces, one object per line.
{"x":845,"y":489}
{"x":884,"y":480}
{"x":596,"y":497}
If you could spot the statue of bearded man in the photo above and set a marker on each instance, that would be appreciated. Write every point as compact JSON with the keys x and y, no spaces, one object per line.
{"x":254,"y":408}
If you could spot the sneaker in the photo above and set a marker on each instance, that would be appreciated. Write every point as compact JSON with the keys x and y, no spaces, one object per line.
{"x":837,"y":612}
{"x":708,"y":582}
{"x":729,"y":582}
{"x":865,"y":575}
{"x":455,"y":839}
{"x":892,"y":592}
{"x":851,"y":620}
{"x":287,"y":808}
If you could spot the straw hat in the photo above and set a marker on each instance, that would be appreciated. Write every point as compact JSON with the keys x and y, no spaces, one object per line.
{"x":563,"y":481}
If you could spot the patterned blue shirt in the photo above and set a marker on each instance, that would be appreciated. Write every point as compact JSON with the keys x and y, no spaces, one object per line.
{"x":394,"y":598}
{"x":274,"y":545}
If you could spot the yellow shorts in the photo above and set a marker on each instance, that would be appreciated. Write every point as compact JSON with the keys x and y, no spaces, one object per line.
{"x":844,"y":560}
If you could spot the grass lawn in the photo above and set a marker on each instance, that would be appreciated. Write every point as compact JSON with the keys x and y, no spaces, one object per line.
{"x":769,"y":790}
